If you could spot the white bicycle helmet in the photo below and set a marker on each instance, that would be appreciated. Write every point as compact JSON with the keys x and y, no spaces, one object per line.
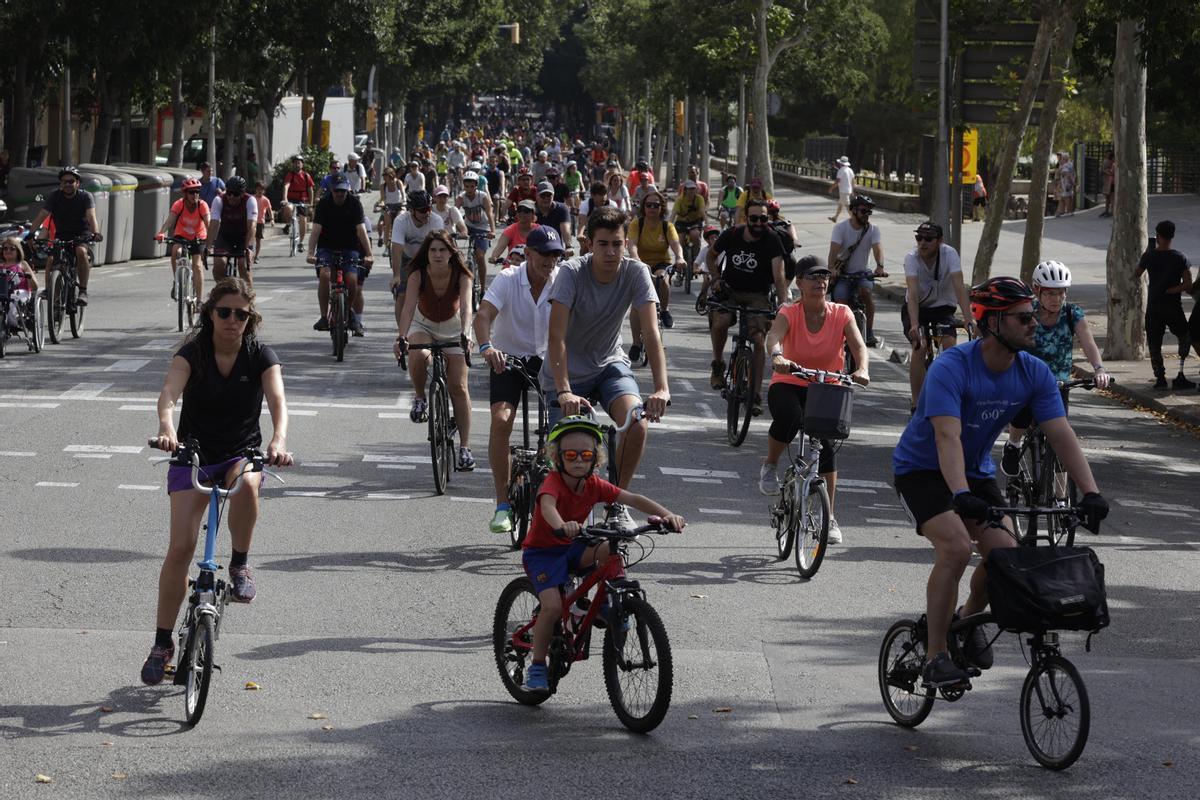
{"x":1051,"y":275}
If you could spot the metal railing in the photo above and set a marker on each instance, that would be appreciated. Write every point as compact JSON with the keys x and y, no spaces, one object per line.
{"x":809,"y":170}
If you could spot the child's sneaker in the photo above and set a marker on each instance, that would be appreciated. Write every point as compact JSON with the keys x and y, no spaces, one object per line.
{"x":156,"y":664}
{"x":537,"y":679}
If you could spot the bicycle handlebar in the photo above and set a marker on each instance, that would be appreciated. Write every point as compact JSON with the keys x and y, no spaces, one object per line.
{"x":188,"y":455}
{"x":599,"y":532}
{"x":742,"y":309}
{"x":1075,"y":515}
{"x":822,"y":376}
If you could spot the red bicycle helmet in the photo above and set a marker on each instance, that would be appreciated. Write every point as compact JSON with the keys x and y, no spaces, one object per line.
{"x":772,"y":205}
{"x":523,"y":171}
{"x":998,"y":294}
{"x":191,"y":183}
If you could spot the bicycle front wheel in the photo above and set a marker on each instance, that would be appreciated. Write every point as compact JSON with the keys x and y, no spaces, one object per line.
{"x":182,"y":300}
{"x":785,"y":523}
{"x":1055,"y":714}
{"x":518,"y":501}
{"x":75,"y":311}
{"x":198,"y":663}
{"x":1056,"y":489}
{"x":901,"y":659}
{"x":39,"y":322}
{"x":638,"y":672}
{"x":812,"y":529}
{"x":1017,"y":491}
{"x":337,"y":325}
{"x":739,"y":402}
{"x":438,"y":432}
{"x":56,"y":301}
{"x":516,"y":611}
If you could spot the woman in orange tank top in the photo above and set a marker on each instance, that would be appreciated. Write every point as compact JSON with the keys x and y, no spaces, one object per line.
{"x":437,"y":308}
{"x":812,"y":334}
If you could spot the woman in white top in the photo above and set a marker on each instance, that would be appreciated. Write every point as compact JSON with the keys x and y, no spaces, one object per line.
{"x":618,"y":193}
{"x":392,"y":198}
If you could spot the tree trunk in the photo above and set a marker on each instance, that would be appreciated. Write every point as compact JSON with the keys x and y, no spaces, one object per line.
{"x":1060,"y":62}
{"x":1126,"y":294}
{"x":705,"y":162}
{"x":1007,"y":163}
{"x":179,"y":111}
{"x":126,"y":129}
{"x":756,"y":119}
{"x":742,"y":146}
{"x":224,"y":166}
{"x":318,"y":115}
{"x":17,"y":136}
{"x":102,"y":134}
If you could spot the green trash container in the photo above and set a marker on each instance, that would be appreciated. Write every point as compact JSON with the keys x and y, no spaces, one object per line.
{"x":119,"y":230}
{"x":27,"y":190}
{"x":151,"y":204}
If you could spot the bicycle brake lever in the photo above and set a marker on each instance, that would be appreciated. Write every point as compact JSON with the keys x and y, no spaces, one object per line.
{"x":274,"y":475}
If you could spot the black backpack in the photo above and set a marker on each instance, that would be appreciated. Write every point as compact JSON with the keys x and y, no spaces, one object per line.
{"x":780,"y":229}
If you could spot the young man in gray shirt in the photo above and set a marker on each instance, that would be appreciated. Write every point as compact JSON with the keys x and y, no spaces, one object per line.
{"x":591,"y":297}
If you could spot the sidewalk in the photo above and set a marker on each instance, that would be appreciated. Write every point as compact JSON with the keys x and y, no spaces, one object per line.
{"x":1079,"y":241}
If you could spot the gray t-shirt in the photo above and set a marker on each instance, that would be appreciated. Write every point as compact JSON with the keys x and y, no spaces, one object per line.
{"x":844,"y":237}
{"x":598,"y":311}
{"x":934,"y":286}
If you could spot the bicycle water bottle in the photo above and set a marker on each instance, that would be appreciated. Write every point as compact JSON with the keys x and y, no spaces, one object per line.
{"x":579,"y":609}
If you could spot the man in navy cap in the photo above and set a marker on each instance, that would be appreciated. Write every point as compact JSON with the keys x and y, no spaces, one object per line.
{"x":339,"y":227}
{"x":513,"y":320}
{"x":552,"y":213}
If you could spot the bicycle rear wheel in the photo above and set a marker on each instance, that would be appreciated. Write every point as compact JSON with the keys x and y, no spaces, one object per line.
{"x":901,"y":659}
{"x":638,"y":672}
{"x":1055,"y":713}
{"x":1018,"y":490}
{"x":337,"y":325}
{"x":515,"y":610}
{"x":39,"y":322}
{"x":438,"y":424}
{"x":784,"y":515}
{"x":75,"y":311}
{"x":518,"y":501}
{"x":198,"y":663}
{"x":182,"y":295}
{"x":739,"y":403}
{"x":56,"y":300}
{"x":812,"y":528}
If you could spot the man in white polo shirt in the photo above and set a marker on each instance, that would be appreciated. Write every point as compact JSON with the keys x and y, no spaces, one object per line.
{"x":518,"y":303}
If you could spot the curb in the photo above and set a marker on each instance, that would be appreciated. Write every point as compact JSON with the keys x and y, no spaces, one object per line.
{"x":1147,"y":399}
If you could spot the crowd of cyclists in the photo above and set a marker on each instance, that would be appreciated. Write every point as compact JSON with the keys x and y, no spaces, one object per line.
{"x":578,"y":246}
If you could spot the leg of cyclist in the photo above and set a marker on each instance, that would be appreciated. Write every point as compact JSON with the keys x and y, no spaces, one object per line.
{"x":198,"y":274}
{"x":243,"y":514}
{"x":633,"y":441}
{"x":187,"y":510}
{"x":354,"y":296}
{"x":760,"y":356}
{"x":456,"y":380}
{"x":662,"y":285}
{"x":323,"y":295}
{"x":719,"y":333}
{"x":243,"y":265}
{"x":418,"y":364}
{"x":499,"y":435}
{"x":83,"y":264}
{"x":218,"y":267}
{"x":175,"y":251}
{"x":952,"y":553}
{"x":635,"y":336}
{"x":868,"y":300}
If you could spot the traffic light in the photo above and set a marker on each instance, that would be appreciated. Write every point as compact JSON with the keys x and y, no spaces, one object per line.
{"x":371,"y":119}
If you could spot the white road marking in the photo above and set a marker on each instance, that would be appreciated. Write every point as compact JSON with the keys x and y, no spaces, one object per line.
{"x":853,"y":489}
{"x":1158,"y":512}
{"x":137,"y":408}
{"x":861,"y":484}
{"x":395,"y":466}
{"x":319,"y":464}
{"x":876,"y":521}
{"x":304,"y":494}
{"x":726,"y":511}
{"x":17,"y":454}
{"x":386,"y":459}
{"x":687,"y":385}
{"x":158,"y":344}
{"x":84,"y":391}
{"x":706,"y":410}
{"x":56,"y":484}
{"x":392,"y":415}
{"x":1161,"y":506}
{"x":93,"y":455}
{"x":29,"y":405}
{"x":122,"y":449}
{"x":127,"y":365}
{"x":698,"y":473}
{"x":138,"y":487}
{"x":386,"y":496}
{"x":295,"y":412}
{"x":702,"y":480}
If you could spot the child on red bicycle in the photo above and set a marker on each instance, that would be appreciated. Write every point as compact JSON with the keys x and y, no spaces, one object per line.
{"x":565,"y":498}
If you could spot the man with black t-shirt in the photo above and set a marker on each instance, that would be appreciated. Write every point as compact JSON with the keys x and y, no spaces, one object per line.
{"x":752,"y":263}
{"x":1169,"y":277}
{"x":73,"y":211}
{"x":338,"y":227}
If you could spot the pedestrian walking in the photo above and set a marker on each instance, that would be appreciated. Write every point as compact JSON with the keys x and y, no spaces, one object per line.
{"x":1108,"y":181}
{"x":843,"y":186}
{"x":1066,"y":186}
{"x":979,"y":197}
{"x":1170,"y":275}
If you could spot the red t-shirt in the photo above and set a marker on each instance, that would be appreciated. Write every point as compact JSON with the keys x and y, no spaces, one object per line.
{"x":572,"y":506}
{"x":515,"y":237}
{"x":298,"y":185}
{"x":518,"y":194}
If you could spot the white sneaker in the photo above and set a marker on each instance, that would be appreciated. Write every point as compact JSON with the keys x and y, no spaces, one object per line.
{"x":835,"y":532}
{"x":768,"y":483}
{"x":618,"y":515}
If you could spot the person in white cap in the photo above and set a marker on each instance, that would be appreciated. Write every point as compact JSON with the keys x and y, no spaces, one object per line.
{"x":355,"y":172}
{"x":843,"y":185}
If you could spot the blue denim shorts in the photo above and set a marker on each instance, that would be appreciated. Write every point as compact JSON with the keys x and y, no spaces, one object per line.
{"x":350,"y":261}
{"x":551,"y":567}
{"x":615,"y":380}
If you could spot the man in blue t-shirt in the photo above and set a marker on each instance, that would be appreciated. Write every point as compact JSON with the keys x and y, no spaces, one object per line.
{"x":943,"y":465}
{"x":210,"y":185}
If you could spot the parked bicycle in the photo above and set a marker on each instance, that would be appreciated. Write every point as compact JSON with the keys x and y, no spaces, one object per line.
{"x":442,"y":426}
{"x":636,"y":654}
{"x":738,"y":392}
{"x":801,"y":516}
{"x":1041,"y":480}
{"x":1054,"y":707}
{"x":529,"y":465}
{"x":208,"y":594}
{"x":29,"y":309}
{"x":62,"y":288}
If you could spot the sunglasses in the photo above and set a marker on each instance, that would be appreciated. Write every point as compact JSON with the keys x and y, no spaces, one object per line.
{"x":864,"y":211}
{"x":224,"y":312}
{"x":578,"y":455}
{"x":758,"y":218}
{"x":926,"y":238}
{"x":817,"y":276}
{"x":652,"y":205}
{"x":192,"y":191}
{"x":1023,"y":317}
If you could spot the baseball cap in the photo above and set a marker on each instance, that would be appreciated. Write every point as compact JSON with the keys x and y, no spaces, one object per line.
{"x":689,"y":184}
{"x":340,"y":181}
{"x":545,"y":240}
{"x":352,"y":157}
{"x":813,"y":265}
{"x":526,"y":205}
{"x":441,"y":190}
{"x":930,"y":229}
{"x":545,"y":187}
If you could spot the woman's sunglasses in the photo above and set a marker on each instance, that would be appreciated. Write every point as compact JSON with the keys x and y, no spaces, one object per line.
{"x":652,"y":205}
{"x":578,"y":455}
{"x":224,"y":311}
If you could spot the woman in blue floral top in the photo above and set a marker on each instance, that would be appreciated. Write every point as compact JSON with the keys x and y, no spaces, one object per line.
{"x":1059,"y":322}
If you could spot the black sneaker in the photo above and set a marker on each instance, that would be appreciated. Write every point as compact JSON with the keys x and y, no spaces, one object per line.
{"x":941,"y":672}
{"x":1010,"y":462}
{"x":717,"y":378}
{"x":667,"y":320}
{"x":1181,"y":382}
{"x":871,"y":340}
{"x":977,"y":648}
{"x":1160,"y":382}
{"x":321,"y":325}
{"x":756,"y":407}
{"x":635,"y":353}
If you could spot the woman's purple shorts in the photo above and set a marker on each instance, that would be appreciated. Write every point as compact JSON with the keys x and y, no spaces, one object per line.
{"x":179,"y":479}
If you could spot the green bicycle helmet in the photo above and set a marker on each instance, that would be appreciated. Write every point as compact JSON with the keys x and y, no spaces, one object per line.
{"x":577,"y":422}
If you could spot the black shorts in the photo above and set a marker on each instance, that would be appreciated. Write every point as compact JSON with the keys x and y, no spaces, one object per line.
{"x":924,"y":494}
{"x":506,"y":387}
{"x":936,"y":315}
{"x":258,"y":230}
{"x":1024,"y":417}
{"x":229,"y":246}
{"x":786,"y":404}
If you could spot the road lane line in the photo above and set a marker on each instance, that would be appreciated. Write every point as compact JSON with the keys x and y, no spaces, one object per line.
{"x":94,"y":455}
{"x":84,"y":391}
{"x":127,"y":365}
{"x":386,"y":496}
{"x":122,"y":449}
{"x":138,"y":487}
{"x":471,"y":500}
{"x":56,"y":484}
{"x":389,"y":459}
{"x":137,"y":408}
{"x":294,"y":493}
{"x":687,"y":385}
{"x":706,"y":410}
{"x":698,"y":473}
{"x":319,"y":464}
{"x":17,"y":454}
{"x":30,"y":405}
{"x":702,"y":480}
{"x":396,"y":466}
{"x":725,"y":511}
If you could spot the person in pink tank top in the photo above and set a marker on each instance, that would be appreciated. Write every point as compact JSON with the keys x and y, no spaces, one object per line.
{"x":811,"y":333}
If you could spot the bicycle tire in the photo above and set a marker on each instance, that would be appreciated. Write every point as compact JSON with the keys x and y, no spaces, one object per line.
{"x":292,"y":238}
{"x":1018,"y":490}
{"x":3,"y":338}
{"x":687,"y":274}
{"x":76,"y":316}
{"x":337,"y":327}
{"x":785,"y":524}
{"x":39,"y":322}
{"x":850,"y":364}
{"x":56,"y":304}
{"x":646,"y":632}
{"x":476,"y":291}
{"x":182,"y":300}
{"x":812,"y":529}
{"x":437,"y":436}
{"x":514,"y":609}
{"x":900,"y":675}
{"x":198,"y":661}
{"x":1054,"y":698}
{"x":740,"y":402}
{"x":193,"y":303}
{"x":1049,"y":495}
{"x":517,"y":502}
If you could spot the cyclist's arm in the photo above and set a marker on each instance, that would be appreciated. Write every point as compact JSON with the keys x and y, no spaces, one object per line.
{"x":775,"y":336}
{"x":960,"y":291}
{"x":878,"y":250}
{"x":213,"y":228}
{"x":834,"y":249}
{"x":94,"y":225}
{"x":556,"y":345}
{"x":1185,"y":284}
{"x":410,"y":305}
{"x":177,"y":377}
{"x":313,"y":236}
{"x":781,"y":282}
{"x":1062,"y":438}
{"x":43,"y":214}
{"x":464,"y":304}
{"x":169,"y":224}
{"x":914,"y":307}
{"x":487,"y":207}
{"x":500,"y":248}
{"x":656,"y":403}
{"x":272,"y":386}
{"x":858,"y":349}
{"x":677,"y":250}
{"x":711,"y":261}
{"x":947,"y":433}
{"x":1087,"y":343}
{"x":643,"y":504}
{"x":364,"y":242}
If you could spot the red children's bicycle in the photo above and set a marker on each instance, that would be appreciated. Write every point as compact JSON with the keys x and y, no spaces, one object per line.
{"x":636,"y":654}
